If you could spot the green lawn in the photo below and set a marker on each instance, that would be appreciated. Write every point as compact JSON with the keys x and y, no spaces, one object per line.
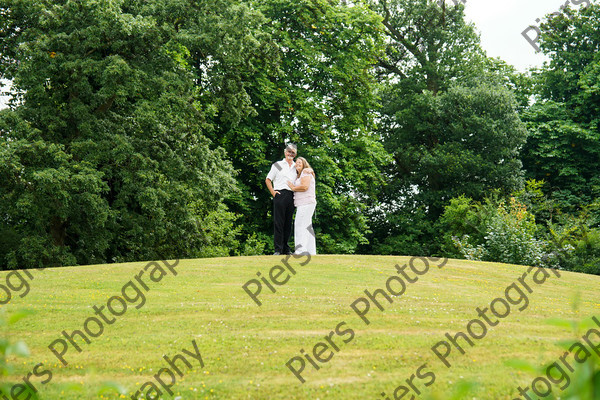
{"x":245,"y":347}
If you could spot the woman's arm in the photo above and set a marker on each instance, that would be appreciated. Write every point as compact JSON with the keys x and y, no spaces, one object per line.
{"x":303,"y":186}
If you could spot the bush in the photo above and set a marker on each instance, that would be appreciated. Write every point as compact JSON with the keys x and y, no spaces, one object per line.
{"x":585,"y":256}
{"x":502,"y":233}
{"x":464,"y":222}
{"x":255,"y":245}
{"x":218,"y":233}
{"x":576,"y":242}
{"x":511,"y":237}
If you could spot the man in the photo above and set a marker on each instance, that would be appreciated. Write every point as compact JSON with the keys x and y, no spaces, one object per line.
{"x":283,"y":198}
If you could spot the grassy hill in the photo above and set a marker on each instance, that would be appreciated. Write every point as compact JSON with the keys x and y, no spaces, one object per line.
{"x":245,"y":348}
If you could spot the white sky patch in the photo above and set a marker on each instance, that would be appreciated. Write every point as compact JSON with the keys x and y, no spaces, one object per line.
{"x":501,"y":23}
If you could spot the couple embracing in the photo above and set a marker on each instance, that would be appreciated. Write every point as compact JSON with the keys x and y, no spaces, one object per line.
{"x":292,"y":184}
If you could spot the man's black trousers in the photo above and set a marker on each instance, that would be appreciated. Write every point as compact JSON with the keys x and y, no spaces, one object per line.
{"x":283,"y":212}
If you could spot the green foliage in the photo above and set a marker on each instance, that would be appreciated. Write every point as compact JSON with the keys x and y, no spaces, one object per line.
{"x":255,"y":244}
{"x":217,"y":232}
{"x":586,"y":253}
{"x":105,"y":153}
{"x":464,"y":218}
{"x":576,"y":240}
{"x":501,"y":233}
{"x":429,"y":46}
{"x":461,"y":142}
{"x":145,"y":129}
{"x":10,"y":348}
{"x":319,"y":92}
{"x":511,"y":237}
{"x":571,"y":77}
{"x":448,"y":118}
{"x":563,"y":147}
{"x":498,"y":73}
{"x":563,"y":153}
{"x":527,"y":231}
{"x":43,"y":188}
{"x":530,"y":230}
{"x":532,"y":196}
{"x":401,"y":231}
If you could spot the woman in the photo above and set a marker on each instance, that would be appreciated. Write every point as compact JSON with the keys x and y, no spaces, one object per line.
{"x":305,"y":202}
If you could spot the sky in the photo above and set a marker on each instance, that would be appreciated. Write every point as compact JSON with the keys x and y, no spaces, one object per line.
{"x":501,"y":23}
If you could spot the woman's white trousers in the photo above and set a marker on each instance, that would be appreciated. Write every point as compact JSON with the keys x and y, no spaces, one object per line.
{"x":304,"y":235}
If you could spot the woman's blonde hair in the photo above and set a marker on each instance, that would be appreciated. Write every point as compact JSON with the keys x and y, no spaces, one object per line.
{"x":305,"y":164}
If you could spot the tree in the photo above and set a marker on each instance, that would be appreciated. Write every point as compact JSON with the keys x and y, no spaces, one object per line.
{"x":461,"y":142}
{"x":429,"y":46}
{"x":318,"y":92}
{"x":563,"y":153}
{"x":104,"y":157}
{"x":563,"y":147}
{"x":449,"y":133}
{"x":571,"y":41}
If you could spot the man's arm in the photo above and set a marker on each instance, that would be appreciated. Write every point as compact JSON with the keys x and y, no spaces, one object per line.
{"x":270,"y":187}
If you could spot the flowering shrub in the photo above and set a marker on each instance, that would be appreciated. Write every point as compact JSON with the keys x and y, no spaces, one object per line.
{"x":509,"y":237}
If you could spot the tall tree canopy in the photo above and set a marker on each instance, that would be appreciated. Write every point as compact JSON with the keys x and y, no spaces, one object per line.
{"x":321,"y":95}
{"x":105,"y":156}
{"x":563,"y":147}
{"x":429,"y":46}
{"x":448,"y":133}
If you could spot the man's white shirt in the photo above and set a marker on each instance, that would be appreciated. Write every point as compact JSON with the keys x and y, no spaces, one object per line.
{"x":281,"y":173}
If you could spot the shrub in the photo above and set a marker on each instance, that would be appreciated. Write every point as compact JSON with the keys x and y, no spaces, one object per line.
{"x":511,"y":237}
{"x":465,"y":222}
{"x":502,"y":233}
{"x":585,"y":256}
{"x":255,"y":245}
